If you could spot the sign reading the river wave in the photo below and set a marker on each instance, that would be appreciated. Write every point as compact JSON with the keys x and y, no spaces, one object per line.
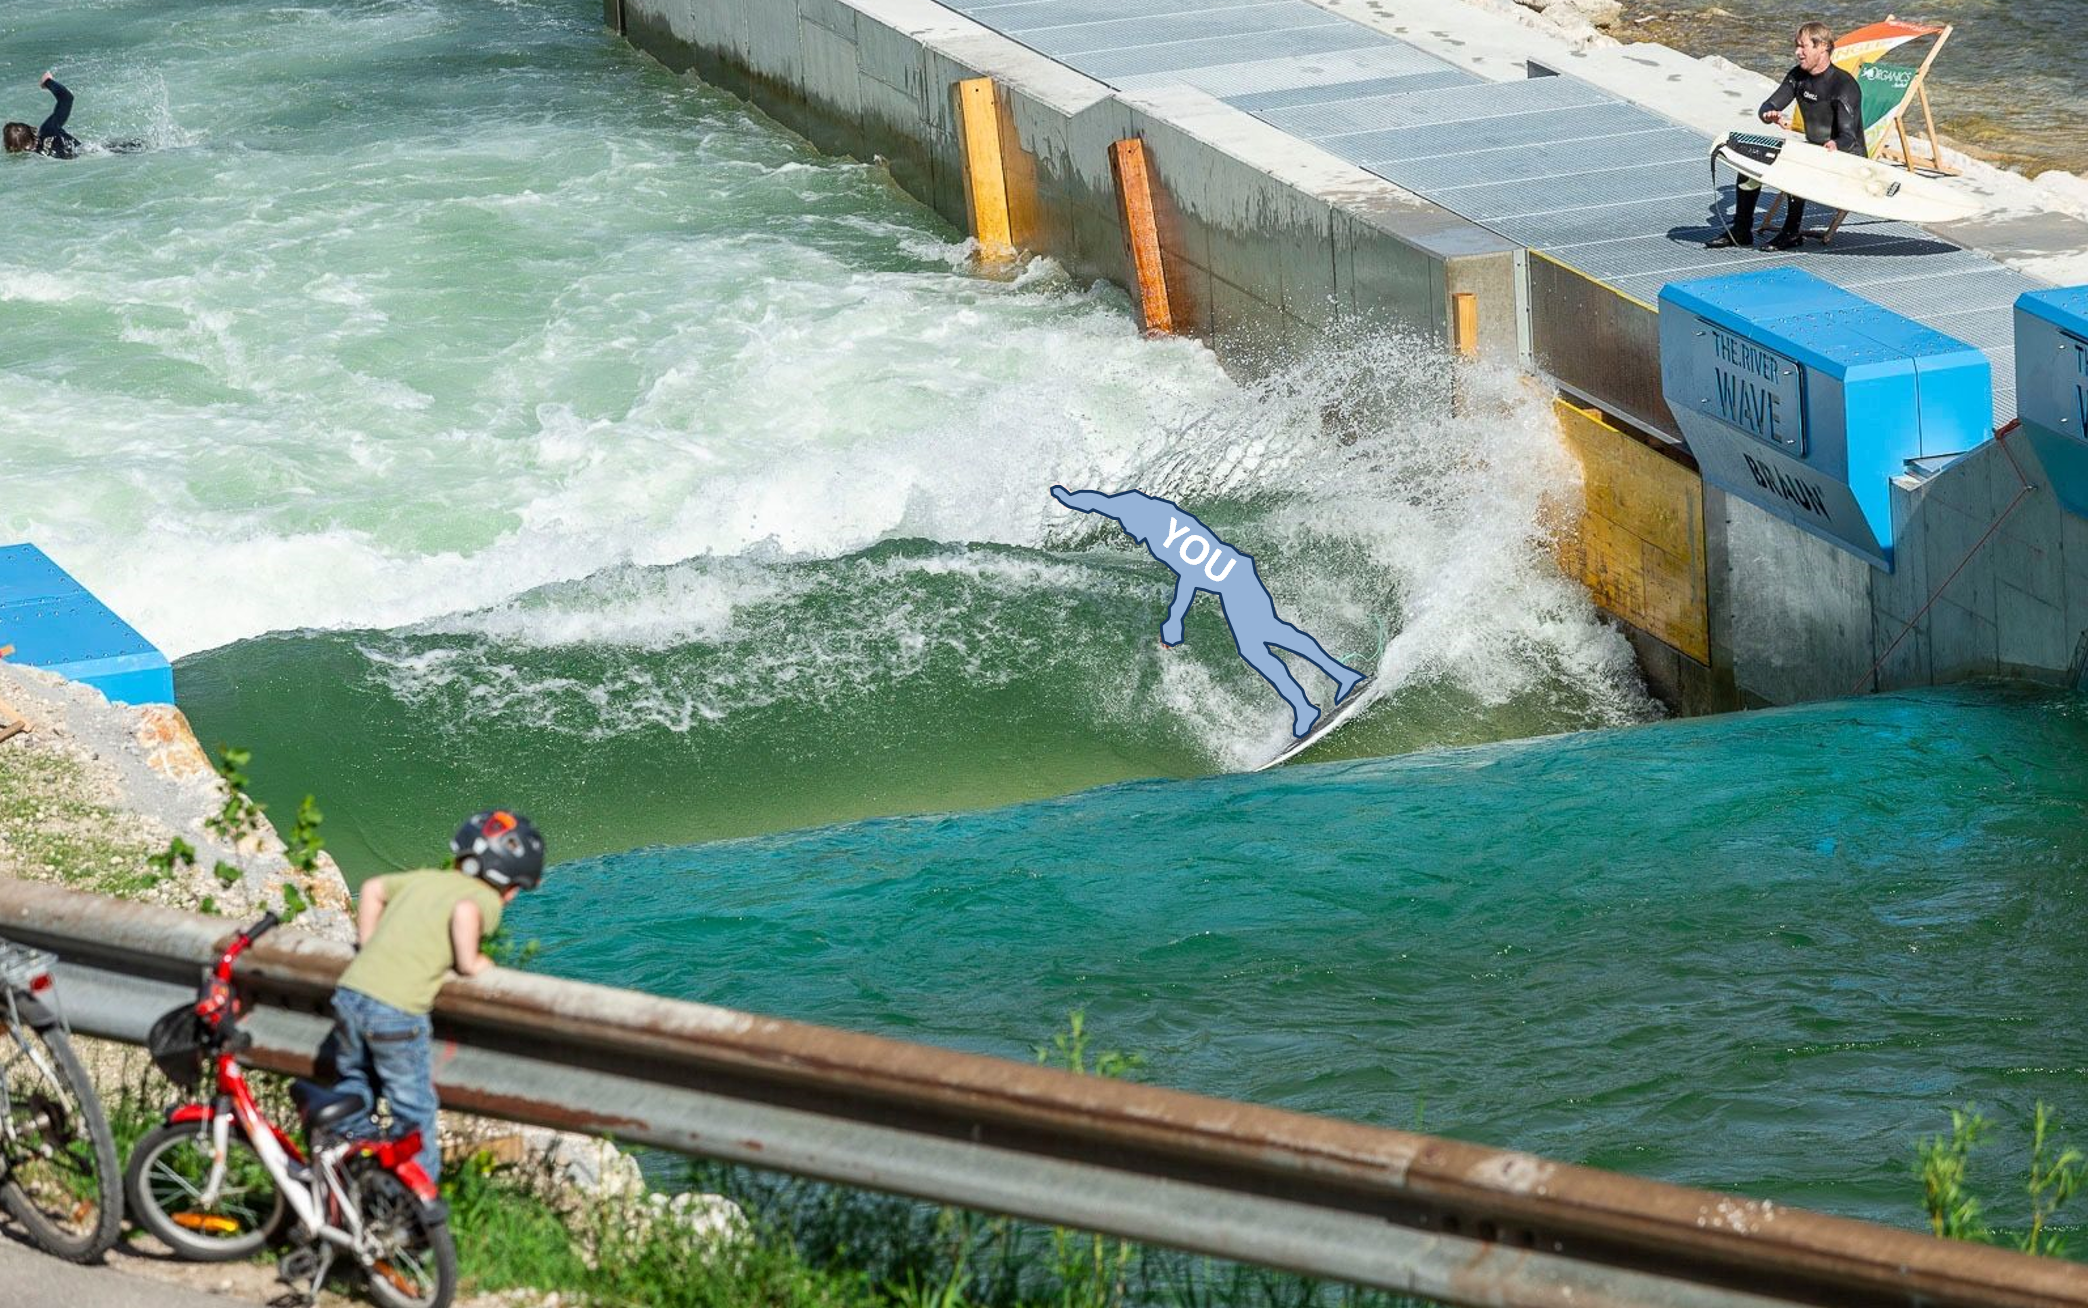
{"x":1755,"y":390}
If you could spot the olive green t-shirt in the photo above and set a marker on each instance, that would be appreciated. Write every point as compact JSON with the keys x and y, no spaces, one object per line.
{"x":410,"y":955}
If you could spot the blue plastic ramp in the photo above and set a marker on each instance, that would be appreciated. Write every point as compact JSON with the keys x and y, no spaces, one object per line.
{"x":56,"y":624}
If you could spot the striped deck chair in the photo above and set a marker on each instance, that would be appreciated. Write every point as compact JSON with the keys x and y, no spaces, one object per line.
{"x":1889,"y":90}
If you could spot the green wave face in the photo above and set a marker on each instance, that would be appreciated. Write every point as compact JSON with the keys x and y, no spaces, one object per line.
{"x":723,"y":698}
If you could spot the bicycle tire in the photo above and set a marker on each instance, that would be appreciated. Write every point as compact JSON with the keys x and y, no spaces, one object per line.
{"x":166,"y":1165}
{"x":71,"y":1209}
{"x":387,"y":1206}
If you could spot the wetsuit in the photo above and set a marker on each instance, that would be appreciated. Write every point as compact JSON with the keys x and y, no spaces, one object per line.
{"x":1833,"y":106}
{"x":1832,"y":102}
{"x":52,"y":138}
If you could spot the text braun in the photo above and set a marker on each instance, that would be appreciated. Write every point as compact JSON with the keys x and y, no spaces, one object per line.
{"x":1206,"y":555}
{"x":1753,"y":408}
{"x":1803,"y":494}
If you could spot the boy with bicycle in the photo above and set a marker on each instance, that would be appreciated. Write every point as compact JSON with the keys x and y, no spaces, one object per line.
{"x":413,"y":929}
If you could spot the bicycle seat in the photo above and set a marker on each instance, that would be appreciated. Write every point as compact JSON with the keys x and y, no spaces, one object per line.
{"x":323,"y":1108}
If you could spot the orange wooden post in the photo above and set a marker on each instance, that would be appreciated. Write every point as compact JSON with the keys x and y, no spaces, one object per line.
{"x":1135,"y":203}
{"x":985,"y":185}
{"x":1464,"y":328}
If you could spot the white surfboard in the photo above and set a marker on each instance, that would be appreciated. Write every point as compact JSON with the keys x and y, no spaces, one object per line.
{"x":1332,"y":718}
{"x":1359,"y":694}
{"x":1788,"y":164}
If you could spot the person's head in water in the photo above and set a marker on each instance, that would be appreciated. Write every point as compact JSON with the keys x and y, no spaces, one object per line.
{"x":1814,"y":47}
{"x":21,"y":138}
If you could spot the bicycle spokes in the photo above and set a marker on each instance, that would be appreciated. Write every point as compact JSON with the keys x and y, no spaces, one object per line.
{"x":245,"y":1199}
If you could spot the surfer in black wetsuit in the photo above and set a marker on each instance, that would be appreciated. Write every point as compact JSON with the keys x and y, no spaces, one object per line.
{"x":52,"y":138}
{"x":1833,"y":106}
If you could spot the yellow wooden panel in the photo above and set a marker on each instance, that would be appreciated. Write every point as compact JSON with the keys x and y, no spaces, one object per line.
{"x":1640,"y":544}
{"x":985,"y":184}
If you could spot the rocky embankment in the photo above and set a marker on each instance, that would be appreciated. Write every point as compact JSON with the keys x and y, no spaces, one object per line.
{"x":124,"y":801}
{"x":95,"y":796}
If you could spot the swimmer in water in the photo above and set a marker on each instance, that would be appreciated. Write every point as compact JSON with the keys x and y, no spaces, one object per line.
{"x":51,"y":139}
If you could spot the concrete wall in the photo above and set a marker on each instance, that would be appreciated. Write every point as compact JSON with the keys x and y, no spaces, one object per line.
{"x":2017,"y":604}
{"x":1265,"y":242}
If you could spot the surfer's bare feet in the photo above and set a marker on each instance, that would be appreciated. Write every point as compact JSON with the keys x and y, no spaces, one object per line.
{"x":1726,"y":241}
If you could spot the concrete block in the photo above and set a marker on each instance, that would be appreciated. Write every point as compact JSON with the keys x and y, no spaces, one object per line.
{"x":2073,"y":548}
{"x":830,"y":78}
{"x":1909,"y":662}
{"x":2026,"y":558}
{"x":1797,"y":610}
{"x":1388,"y":280}
{"x":1248,"y":328}
{"x":892,"y":117}
{"x":1492,"y":278}
{"x":1948,"y":539}
{"x":1305,"y":250}
{"x":772,"y":50}
{"x":2031,"y":636}
{"x":891,"y":57}
{"x":1899,"y":594}
{"x":1962,"y":643}
{"x":834,"y":15}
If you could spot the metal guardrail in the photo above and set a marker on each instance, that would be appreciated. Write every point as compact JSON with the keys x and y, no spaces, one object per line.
{"x":1438,"y":1218}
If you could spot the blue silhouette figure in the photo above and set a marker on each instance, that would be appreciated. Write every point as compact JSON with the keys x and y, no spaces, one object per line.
{"x":1203,"y":561}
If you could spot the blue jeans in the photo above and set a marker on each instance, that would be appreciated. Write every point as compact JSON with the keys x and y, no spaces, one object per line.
{"x":379,"y":1049}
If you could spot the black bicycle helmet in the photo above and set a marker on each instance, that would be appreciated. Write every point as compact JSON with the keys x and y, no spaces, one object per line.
{"x":501,"y":849}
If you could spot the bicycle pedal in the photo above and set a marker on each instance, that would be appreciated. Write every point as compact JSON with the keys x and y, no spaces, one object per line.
{"x":303,"y":1270}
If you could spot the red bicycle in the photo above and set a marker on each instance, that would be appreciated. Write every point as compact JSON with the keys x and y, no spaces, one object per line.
{"x":220,"y":1181}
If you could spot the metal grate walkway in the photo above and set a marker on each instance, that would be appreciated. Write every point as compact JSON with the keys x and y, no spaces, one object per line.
{"x":1634,"y":215}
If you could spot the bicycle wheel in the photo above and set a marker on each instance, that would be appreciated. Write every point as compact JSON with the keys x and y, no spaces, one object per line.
{"x":416,"y":1262}
{"x":56,"y":1153}
{"x":164,"y":1184}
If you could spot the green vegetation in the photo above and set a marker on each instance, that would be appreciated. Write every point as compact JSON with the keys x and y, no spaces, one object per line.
{"x":304,"y":843}
{"x":504,"y":949}
{"x":1944,"y":1163}
{"x":178,"y":854}
{"x":54,"y":832}
{"x":241,"y":816}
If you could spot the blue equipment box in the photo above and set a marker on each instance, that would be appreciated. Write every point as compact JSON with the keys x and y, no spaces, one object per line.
{"x":1806,"y":400}
{"x":54,"y":623}
{"x":2052,"y":387}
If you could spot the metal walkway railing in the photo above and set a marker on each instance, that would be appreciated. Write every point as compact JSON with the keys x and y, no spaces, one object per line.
{"x":1439,"y":1218}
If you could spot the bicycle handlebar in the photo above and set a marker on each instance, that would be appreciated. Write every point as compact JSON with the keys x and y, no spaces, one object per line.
{"x":267,"y":923}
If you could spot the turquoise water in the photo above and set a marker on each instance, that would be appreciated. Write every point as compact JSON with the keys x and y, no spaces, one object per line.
{"x":1760,"y":953}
